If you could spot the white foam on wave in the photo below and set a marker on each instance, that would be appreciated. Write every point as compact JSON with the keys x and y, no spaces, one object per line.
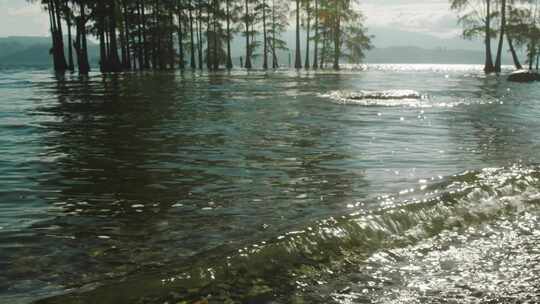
{"x":400,"y":98}
{"x":390,"y":98}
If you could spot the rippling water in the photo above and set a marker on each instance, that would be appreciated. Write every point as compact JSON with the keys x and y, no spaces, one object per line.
{"x":382,"y":184}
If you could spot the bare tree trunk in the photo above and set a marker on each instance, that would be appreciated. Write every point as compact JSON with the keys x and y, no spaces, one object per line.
{"x":145,"y":36}
{"x":298,"y":57}
{"x":265,"y":40}
{"x":275,"y":63}
{"x":308,"y":13}
{"x":58,"y":42}
{"x":488,"y":67}
{"x":127,"y":25}
{"x":316,"y":42}
{"x":337,"y":41}
{"x":209,"y":42}
{"x":229,"y":55}
{"x":324,"y":49}
{"x":113,"y":55}
{"x":140,"y":48}
{"x":180,"y":34}
{"x":515,"y":57}
{"x":193,"y":64}
{"x":248,"y":47}
{"x":199,"y":38}
{"x":532,"y":55}
{"x":170,"y":46}
{"x":82,"y":58}
{"x":71,"y":66}
{"x":216,"y":36}
{"x":501,"y":37}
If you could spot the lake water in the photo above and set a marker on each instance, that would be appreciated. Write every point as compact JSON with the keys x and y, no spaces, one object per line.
{"x":381,"y":184}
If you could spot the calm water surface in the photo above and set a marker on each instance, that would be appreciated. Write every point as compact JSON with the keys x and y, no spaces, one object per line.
{"x":275,"y":187}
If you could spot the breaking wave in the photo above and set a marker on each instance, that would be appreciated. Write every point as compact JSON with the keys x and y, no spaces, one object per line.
{"x":377,"y":252}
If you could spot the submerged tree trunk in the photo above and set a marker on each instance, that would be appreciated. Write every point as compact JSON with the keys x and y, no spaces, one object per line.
{"x":59,"y":57}
{"x":170,"y":46}
{"x":180,"y":34}
{"x":532,"y":55}
{"x":199,"y":38}
{"x":217,"y":33}
{"x":114,"y":60}
{"x":156,"y":33}
{"x":323,"y":50}
{"x":248,"y":47}
{"x":308,"y":13}
{"x":127,"y":60}
{"x":145,"y":36}
{"x":275,"y":63}
{"x":209,"y":42}
{"x":501,"y":37}
{"x":316,"y":42}
{"x":488,"y":66}
{"x":229,"y":55}
{"x":298,"y":56}
{"x":140,"y":47}
{"x":515,"y":57}
{"x":337,"y":41}
{"x":80,"y":41}
{"x":101,"y":33}
{"x":192,"y":62}
{"x":265,"y":40}
{"x":71,"y":65}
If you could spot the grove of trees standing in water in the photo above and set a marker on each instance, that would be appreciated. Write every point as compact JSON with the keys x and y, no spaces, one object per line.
{"x":516,"y":21}
{"x":168,"y":34}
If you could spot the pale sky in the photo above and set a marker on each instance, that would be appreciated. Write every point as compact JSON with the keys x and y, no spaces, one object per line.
{"x":426,"y":16}
{"x":19,"y":18}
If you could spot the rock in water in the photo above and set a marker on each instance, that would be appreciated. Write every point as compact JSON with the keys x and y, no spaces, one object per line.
{"x":524,"y":76}
{"x":385,"y":95}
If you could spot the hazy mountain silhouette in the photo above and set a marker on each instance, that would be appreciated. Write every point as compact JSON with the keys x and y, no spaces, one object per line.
{"x":33,"y":51}
{"x":392,"y":46}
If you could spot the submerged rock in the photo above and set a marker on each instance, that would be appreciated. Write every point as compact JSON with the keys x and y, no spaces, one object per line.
{"x":524,"y":76}
{"x":385,"y":95}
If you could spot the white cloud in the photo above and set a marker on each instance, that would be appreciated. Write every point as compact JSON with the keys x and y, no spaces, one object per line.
{"x":28,"y":11}
{"x":431,"y":17}
{"x":20,"y":18}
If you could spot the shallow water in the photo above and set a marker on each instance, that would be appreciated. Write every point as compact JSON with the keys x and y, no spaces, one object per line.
{"x":269,"y":187}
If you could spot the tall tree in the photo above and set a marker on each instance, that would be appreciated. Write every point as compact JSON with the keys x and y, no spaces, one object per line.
{"x":279,"y":24}
{"x":180,"y":33}
{"x":298,"y":56}
{"x":80,"y":44}
{"x":69,"y":24}
{"x":308,"y":38}
{"x":501,"y":37}
{"x":264,"y":8}
{"x":247,"y":20}
{"x":523,"y":31}
{"x":193,"y":63}
{"x":475,"y":17}
{"x":59,"y":59}
{"x":316,"y":37}
{"x":228,"y":18}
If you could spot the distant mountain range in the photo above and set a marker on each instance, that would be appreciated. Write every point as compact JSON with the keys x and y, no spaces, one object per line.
{"x":33,"y":51}
{"x":391,"y":47}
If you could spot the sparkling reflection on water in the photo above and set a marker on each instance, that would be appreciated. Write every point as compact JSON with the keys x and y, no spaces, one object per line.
{"x":128,"y":177}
